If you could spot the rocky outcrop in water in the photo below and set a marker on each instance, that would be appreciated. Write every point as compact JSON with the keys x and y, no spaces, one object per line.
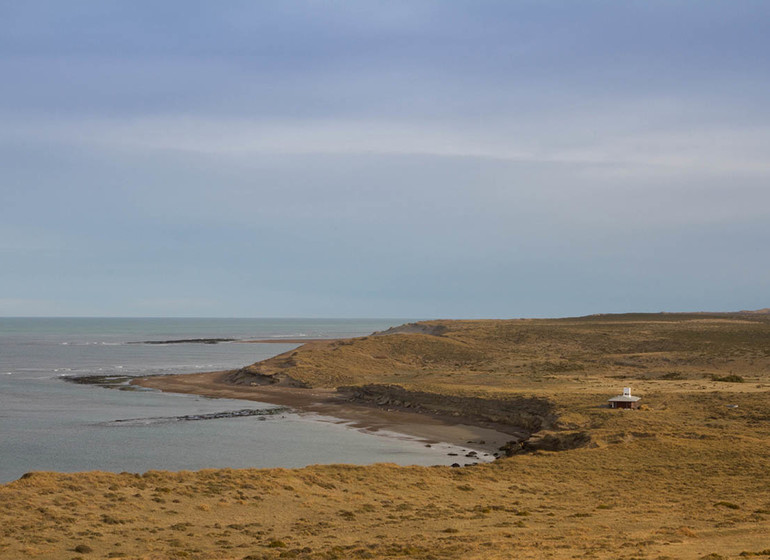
{"x":187,"y":341}
{"x":122,"y":382}
{"x":245,"y":412}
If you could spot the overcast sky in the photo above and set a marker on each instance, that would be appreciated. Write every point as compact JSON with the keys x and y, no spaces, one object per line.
{"x":383,"y":159}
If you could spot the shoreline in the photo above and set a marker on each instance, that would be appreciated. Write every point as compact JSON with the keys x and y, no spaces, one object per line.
{"x":285,"y":340}
{"x":328,"y":405}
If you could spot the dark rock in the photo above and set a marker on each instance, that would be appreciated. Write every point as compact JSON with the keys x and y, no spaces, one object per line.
{"x":550,"y":442}
{"x":108,"y":381}
{"x":527,"y":414}
{"x":261,"y":413}
{"x":187,"y":341}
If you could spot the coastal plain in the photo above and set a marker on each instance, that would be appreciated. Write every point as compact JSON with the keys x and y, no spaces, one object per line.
{"x":687,"y":475}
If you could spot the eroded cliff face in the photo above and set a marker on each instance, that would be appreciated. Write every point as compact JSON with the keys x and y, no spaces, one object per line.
{"x":520,"y":415}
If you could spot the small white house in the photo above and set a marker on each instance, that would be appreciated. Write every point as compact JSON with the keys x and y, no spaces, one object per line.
{"x":625,"y":400}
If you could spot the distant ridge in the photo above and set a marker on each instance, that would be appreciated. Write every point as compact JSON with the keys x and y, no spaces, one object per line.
{"x":763,"y":311}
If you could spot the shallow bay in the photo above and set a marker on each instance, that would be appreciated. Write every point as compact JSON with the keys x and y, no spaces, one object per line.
{"x":48,"y":424}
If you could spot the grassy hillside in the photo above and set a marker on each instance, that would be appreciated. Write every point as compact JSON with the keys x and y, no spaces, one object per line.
{"x":545,"y":357}
{"x":686,"y":477}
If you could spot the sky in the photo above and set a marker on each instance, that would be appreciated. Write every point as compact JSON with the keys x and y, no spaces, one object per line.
{"x":414,"y":158}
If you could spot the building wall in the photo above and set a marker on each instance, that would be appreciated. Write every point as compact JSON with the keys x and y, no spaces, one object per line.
{"x":624,"y":404}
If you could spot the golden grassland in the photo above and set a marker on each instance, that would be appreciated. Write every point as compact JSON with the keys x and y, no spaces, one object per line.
{"x":686,"y":477}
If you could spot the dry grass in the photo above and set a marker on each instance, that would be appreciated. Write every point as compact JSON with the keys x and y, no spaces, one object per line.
{"x":473,"y":357}
{"x":685,"y":478}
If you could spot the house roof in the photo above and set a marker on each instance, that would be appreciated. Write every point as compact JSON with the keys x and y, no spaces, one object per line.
{"x":624,"y":398}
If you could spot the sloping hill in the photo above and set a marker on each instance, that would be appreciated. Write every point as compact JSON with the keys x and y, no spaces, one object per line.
{"x":539,"y":356}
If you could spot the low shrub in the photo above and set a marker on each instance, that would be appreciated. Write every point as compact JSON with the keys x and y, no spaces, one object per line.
{"x":728,"y":378}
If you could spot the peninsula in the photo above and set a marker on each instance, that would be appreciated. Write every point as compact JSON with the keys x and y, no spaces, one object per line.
{"x":683,"y":475}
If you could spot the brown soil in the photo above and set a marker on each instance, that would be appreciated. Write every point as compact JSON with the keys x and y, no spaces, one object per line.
{"x":334,"y":406}
{"x":284,"y":340}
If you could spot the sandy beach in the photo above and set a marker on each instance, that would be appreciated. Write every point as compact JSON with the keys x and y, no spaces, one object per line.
{"x":328,"y":405}
{"x":284,"y":340}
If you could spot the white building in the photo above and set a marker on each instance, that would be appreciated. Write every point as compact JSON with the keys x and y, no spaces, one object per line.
{"x":625,"y":400}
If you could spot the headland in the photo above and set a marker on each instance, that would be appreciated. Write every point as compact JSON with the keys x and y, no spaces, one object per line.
{"x":682,"y":476}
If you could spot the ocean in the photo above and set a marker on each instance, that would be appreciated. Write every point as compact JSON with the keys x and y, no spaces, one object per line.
{"x":47,"y":423}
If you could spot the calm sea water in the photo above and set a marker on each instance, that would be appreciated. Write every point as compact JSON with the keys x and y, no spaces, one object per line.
{"x":49,"y":424}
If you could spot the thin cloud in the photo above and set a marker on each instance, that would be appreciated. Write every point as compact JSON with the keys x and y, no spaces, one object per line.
{"x":717,"y":149}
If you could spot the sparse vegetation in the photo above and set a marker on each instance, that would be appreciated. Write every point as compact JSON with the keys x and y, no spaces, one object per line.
{"x":728,"y":378}
{"x":728,"y":505}
{"x":685,"y":478}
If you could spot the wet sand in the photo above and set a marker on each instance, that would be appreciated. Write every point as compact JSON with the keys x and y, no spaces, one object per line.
{"x":328,"y":405}
{"x":285,"y":340}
